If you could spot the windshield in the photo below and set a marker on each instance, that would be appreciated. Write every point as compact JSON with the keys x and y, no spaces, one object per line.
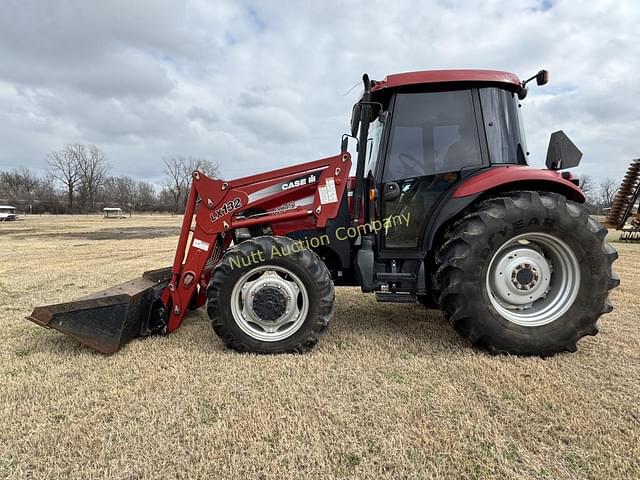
{"x":503,"y":124}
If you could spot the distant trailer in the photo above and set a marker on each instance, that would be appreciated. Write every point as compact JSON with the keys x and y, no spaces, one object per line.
{"x":7,"y":213}
{"x":112,"y":212}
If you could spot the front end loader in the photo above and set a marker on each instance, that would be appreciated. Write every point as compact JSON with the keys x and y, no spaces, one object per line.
{"x":443,"y":209}
{"x":217,"y":214}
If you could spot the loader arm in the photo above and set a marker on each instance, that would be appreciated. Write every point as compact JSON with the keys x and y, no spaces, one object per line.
{"x":311,"y":190}
{"x":309,"y":193}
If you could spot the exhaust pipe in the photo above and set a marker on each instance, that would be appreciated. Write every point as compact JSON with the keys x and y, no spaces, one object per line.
{"x":107,"y":320}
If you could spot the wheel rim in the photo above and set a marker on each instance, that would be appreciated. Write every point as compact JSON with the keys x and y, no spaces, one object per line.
{"x":533,"y":279}
{"x":269,"y":303}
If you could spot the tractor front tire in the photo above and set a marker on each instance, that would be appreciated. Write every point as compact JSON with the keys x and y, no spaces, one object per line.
{"x":526,"y":273}
{"x":270,"y":295}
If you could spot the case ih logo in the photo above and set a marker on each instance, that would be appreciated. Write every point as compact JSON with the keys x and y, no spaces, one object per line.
{"x":299,"y":182}
{"x":228,"y":207}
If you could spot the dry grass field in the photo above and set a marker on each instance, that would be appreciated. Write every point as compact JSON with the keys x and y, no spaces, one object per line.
{"x":390,"y":391}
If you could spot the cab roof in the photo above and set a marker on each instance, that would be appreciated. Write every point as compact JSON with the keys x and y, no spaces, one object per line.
{"x":448,"y":76}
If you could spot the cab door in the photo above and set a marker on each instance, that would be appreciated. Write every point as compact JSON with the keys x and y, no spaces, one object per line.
{"x":433,"y":136}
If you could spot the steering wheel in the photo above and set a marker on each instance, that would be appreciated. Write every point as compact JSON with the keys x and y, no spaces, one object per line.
{"x":411,"y":166}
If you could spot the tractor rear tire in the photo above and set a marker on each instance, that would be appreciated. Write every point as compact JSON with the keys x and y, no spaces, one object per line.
{"x":526,"y":273}
{"x":270,"y":295}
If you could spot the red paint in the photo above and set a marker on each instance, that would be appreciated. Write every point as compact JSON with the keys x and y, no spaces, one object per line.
{"x":214,"y":218}
{"x":448,"y":76}
{"x":499,"y":176}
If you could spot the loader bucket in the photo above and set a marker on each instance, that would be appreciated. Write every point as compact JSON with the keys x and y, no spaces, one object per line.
{"x":106,"y":320}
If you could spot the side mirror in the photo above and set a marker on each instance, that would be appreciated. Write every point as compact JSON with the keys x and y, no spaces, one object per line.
{"x":562,"y":153}
{"x":542,"y":77}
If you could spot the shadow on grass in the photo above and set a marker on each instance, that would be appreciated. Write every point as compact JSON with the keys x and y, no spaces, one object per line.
{"x":362,"y":321}
{"x":424,"y":329}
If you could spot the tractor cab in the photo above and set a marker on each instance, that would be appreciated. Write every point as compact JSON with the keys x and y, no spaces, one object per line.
{"x":428,"y":130}
{"x":427,"y":133}
{"x":434,"y":140}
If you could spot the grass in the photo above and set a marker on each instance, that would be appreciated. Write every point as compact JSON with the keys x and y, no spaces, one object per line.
{"x":390,"y":392}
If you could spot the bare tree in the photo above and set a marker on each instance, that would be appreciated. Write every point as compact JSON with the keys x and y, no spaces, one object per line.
{"x":607,"y":189}
{"x":178,"y":170}
{"x":126,"y":191}
{"x":176,"y":184}
{"x":166,"y":200}
{"x":92,"y":171}
{"x":19,"y":185}
{"x":119,"y":190}
{"x":64,"y":168}
{"x":589,"y":189}
{"x":49,"y":198}
{"x":190,"y":164}
{"x":145,"y":195}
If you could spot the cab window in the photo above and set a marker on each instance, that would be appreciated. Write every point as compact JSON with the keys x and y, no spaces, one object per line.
{"x":433,"y":132}
{"x":502,"y":121}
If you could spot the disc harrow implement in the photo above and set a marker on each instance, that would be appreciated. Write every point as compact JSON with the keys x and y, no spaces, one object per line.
{"x":624,"y":214}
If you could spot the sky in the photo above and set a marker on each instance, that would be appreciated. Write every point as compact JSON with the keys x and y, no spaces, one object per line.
{"x":258,"y":85}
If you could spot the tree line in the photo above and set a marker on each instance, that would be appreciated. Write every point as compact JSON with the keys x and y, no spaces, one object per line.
{"x":599,"y":193}
{"x":79,"y":179}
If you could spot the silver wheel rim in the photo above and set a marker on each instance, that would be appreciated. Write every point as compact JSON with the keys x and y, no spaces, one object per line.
{"x":533,"y":279}
{"x":285,"y":303}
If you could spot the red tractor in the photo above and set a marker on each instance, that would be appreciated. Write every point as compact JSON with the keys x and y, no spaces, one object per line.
{"x":443,"y":210}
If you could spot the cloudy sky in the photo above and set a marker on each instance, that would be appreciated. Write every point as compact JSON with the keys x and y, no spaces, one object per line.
{"x":255,"y":85}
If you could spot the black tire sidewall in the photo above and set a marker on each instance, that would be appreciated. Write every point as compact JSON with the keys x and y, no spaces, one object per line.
{"x":295,"y":263}
{"x":567,"y":222}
